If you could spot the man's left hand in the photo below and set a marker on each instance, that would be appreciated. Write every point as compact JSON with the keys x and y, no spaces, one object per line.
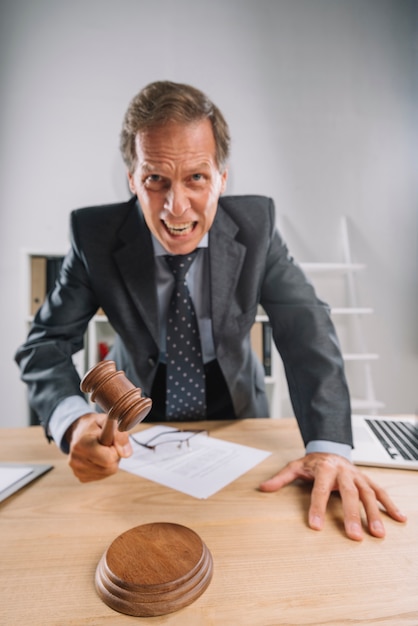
{"x":330,"y":472}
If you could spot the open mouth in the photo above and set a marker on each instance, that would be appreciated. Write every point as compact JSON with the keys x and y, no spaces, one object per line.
{"x":179,"y":229}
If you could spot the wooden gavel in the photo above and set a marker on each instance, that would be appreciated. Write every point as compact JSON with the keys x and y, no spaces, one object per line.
{"x":117,"y":396}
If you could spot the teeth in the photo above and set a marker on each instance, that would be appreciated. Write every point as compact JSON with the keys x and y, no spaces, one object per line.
{"x":179,"y":228}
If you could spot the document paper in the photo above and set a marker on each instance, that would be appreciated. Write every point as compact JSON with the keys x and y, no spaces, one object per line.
{"x":199,"y":470}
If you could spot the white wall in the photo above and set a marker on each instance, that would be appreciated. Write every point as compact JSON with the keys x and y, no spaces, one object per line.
{"x":320,"y":96}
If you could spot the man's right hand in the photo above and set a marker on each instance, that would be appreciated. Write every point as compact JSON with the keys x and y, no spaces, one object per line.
{"x":88,"y":458}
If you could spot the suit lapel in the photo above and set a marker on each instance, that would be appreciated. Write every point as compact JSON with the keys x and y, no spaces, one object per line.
{"x":226,"y":259}
{"x":135,"y":260}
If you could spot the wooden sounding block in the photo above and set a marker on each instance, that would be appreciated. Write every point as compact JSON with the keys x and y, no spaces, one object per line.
{"x":154,"y":569}
{"x":117,"y":396}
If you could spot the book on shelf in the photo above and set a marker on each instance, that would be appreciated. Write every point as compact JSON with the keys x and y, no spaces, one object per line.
{"x":44,"y":271}
{"x":267,"y":341}
{"x":103,"y":350}
{"x":261,"y":338}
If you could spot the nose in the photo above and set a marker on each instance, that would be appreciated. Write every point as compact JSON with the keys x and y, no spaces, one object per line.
{"x":177,"y":201}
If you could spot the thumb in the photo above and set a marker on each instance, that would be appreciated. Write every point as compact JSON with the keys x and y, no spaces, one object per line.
{"x":282,"y":478}
{"x":122,"y":444}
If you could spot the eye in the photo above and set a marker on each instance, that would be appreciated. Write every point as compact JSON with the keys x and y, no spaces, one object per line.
{"x":154,"y":182}
{"x":197,"y":178}
{"x":153,"y":178}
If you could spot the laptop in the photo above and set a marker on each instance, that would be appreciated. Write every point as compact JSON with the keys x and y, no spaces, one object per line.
{"x":385,"y":441}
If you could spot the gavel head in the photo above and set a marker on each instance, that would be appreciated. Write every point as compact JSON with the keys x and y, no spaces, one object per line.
{"x":116,"y":395}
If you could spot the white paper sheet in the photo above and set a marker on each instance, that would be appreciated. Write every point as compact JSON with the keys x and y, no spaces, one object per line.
{"x":202,"y":469}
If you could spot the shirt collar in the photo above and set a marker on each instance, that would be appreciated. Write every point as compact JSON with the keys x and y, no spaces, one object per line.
{"x":160,"y":251}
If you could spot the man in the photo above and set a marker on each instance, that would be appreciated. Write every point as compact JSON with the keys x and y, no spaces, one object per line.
{"x":175,"y":143}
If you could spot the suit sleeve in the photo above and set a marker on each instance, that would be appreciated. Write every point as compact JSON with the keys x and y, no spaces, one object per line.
{"x":57,"y":332}
{"x":307,"y":342}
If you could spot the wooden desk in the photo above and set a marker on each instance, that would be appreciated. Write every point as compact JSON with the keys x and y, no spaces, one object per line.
{"x":269,"y":567}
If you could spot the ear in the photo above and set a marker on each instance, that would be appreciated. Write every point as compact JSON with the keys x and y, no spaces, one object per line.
{"x":131,"y":182}
{"x":224,"y":178}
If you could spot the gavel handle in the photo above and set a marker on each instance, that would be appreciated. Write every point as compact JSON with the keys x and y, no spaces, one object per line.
{"x":108,"y":433}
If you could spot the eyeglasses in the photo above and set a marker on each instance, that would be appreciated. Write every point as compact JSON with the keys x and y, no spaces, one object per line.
{"x":178,"y":437}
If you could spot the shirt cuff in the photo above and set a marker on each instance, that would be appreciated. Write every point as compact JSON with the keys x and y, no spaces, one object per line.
{"x":65,"y":414}
{"x":331,"y":447}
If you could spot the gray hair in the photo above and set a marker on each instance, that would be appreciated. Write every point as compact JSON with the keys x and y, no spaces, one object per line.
{"x":163,"y":101}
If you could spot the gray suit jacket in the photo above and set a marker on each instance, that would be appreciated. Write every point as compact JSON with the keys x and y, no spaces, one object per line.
{"x":111,"y":265}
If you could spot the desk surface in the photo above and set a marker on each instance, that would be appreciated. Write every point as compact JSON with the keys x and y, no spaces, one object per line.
{"x":270,"y":569}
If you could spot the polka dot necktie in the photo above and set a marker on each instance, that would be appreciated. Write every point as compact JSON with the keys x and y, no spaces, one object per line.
{"x":185,"y":373}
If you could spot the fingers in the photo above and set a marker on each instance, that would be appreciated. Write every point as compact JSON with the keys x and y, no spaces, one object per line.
{"x":329,"y":473}
{"x":88,"y":470}
{"x":324,"y":484}
{"x":370,"y":495}
{"x":357,"y":489}
{"x":122,"y":444}
{"x":88,"y":459}
{"x":287,"y":475}
{"x":333,"y":473}
{"x":350,"y":498}
{"x":388,"y":504}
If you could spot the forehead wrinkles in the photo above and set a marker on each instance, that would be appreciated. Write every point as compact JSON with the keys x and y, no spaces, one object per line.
{"x":168,"y":165}
{"x":176,"y":145}
{"x":151,"y":155}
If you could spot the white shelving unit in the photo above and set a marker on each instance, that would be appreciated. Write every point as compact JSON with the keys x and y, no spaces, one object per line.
{"x":99,"y":330}
{"x":354,"y":316}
